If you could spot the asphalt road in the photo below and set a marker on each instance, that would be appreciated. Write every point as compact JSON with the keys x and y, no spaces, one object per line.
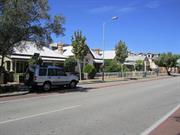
{"x":118,"y":110}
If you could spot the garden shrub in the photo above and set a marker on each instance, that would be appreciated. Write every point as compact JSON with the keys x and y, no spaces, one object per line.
{"x":90,"y":70}
{"x":70,"y":65}
{"x":9,"y":88}
{"x":112,"y":66}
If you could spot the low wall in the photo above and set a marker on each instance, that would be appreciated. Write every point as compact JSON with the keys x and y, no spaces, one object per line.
{"x":1,"y":78}
{"x":134,"y":74}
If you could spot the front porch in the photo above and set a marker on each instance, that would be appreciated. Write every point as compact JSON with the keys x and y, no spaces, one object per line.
{"x":17,"y":67}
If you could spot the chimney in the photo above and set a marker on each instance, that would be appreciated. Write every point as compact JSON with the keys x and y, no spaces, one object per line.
{"x":97,"y":51}
{"x":60,"y":48}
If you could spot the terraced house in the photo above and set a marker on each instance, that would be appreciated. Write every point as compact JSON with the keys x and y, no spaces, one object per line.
{"x":55,"y":54}
{"x":130,"y":61}
{"x":93,"y":57}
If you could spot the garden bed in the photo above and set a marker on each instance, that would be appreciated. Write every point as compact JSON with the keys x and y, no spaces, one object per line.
{"x":12,"y":87}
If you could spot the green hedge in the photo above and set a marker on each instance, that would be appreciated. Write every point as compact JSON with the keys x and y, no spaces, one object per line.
{"x":112,"y":66}
{"x":9,"y":88}
{"x":70,"y":64}
{"x":90,"y":70}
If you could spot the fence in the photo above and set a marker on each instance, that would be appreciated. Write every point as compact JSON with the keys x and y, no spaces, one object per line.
{"x":129,"y":75}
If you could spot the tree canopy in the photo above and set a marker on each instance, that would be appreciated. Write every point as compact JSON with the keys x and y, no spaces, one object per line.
{"x":167,"y":60}
{"x":139,"y":65}
{"x":70,"y":64}
{"x":35,"y":60}
{"x":112,"y":66}
{"x":121,"y":52}
{"x":80,"y":48}
{"x":26,"y":20}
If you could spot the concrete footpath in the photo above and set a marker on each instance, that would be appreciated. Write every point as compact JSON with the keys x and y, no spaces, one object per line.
{"x":14,"y":94}
{"x":115,"y":82}
{"x":94,"y":84}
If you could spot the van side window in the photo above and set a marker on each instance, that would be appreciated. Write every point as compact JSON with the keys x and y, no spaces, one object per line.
{"x":60,"y":72}
{"x":51,"y":72}
{"x":42,"y":72}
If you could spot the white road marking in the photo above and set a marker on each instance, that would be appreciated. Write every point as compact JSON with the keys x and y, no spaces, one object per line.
{"x":39,"y":114}
{"x":156,"y":124}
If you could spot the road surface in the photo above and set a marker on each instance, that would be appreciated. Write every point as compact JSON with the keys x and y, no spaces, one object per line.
{"x":117,"y":110}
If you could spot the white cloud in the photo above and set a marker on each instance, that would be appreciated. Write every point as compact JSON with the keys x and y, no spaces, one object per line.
{"x":106,"y":9}
{"x":153,"y":4}
{"x":126,"y":9}
{"x":102,"y":9}
{"x":129,"y":7}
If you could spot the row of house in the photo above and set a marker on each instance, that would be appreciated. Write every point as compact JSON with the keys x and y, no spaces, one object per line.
{"x":130,"y":61}
{"x":56,"y":54}
{"x":95,"y":56}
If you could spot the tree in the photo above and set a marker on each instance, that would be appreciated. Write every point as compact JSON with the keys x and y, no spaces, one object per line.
{"x":178,"y":56}
{"x":178,"y":63}
{"x":121,"y":53}
{"x":112,"y":66}
{"x":80,"y":48}
{"x":35,"y":60}
{"x":70,"y":64}
{"x":26,"y":20}
{"x":139,"y":65}
{"x":167,"y":60}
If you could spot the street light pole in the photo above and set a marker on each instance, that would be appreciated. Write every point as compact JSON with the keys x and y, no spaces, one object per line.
{"x":103,"y":49}
{"x":103,"y":42}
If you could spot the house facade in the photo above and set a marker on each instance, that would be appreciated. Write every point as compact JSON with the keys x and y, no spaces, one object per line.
{"x":55,"y":55}
{"x":18,"y":61}
{"x":92,"y":57}
{"x":130,"y":61}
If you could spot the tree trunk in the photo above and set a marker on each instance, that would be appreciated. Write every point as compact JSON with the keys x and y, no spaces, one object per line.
{"x":2,"y":61}
{"x":79,"y":66}
{"x":122,"y":70}
{"x":2,"y":70}
{"x":168,"y":72}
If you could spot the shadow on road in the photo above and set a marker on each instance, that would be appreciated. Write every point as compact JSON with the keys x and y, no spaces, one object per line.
{"x":61,"y":90}
{"x":175,"y":75}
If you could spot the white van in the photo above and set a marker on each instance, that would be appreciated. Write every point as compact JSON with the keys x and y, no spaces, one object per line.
{"x":48,"y":76}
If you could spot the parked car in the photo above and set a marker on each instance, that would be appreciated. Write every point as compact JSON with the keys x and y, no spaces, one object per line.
{"x":48,"y":76}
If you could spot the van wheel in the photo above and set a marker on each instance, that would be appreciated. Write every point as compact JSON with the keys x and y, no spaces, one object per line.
{"x":47,"y":86}
{"x":73,"y":84}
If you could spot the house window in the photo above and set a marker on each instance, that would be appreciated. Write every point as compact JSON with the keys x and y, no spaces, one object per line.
{"x":21,"y":66}
{"x":13,"y":64}
{"x":86,"y":61}
{"x":8,"y":64}
{"x":48,"y":64}
{"x":59,"y":64}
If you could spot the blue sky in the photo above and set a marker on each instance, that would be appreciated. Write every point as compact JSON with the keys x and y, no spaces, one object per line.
{"x":145,"y":25}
